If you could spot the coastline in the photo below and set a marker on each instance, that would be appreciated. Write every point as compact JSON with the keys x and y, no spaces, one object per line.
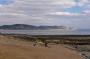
{"x":10,"y":42}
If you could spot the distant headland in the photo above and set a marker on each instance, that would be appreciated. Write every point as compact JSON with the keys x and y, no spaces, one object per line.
{"x":29,"y":27}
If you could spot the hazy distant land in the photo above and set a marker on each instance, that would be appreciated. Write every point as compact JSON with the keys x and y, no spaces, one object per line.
{"x":29,"y":27}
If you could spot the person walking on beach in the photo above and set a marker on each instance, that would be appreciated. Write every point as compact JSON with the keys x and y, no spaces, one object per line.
{"x":46,"y":44}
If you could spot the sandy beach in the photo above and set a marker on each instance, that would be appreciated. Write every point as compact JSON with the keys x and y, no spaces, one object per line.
{"x":14,"y":48}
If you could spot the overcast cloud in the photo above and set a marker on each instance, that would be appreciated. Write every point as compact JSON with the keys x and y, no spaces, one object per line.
{"x":74,"y":13}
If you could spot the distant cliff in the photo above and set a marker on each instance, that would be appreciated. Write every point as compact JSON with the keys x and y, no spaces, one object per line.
{"x":29,"y":27}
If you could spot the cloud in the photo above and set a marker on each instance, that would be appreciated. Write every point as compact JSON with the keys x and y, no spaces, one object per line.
{"x":87,"y":11}
{"x":66,"y":14}
{"x":83,"y":2}
{"x":65,"y":3}
{"x":44,"y":12}
{"x":70,"y":3}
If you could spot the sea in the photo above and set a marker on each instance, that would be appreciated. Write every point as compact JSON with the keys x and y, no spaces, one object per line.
{"x":47,"y":32}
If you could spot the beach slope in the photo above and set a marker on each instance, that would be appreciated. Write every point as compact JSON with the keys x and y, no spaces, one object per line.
{"x":14,"y":48}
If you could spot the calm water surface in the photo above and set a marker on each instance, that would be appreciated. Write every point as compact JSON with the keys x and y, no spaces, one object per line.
{"x":45,"y":32}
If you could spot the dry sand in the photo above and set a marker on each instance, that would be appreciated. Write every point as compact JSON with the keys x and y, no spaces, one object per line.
{"x":11,"y":48}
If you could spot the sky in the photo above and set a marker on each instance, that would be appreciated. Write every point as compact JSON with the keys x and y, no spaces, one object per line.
{"x":71,"y":13}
